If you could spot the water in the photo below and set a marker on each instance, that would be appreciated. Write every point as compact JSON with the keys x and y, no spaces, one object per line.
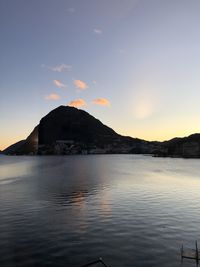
{"x":69,"y":210}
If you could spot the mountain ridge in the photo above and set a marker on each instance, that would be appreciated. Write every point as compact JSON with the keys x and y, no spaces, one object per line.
{"x":68,"y":130}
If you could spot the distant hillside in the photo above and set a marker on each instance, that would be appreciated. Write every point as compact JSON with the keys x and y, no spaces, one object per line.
{"x":187,"y":147}
{"x":24,"y":147}
{"x":14,"y":148}
{"x":68,"y":130}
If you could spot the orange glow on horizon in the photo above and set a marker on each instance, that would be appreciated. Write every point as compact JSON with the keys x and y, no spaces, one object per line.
{"x":150,"y":129}
{"x":10,"y":140}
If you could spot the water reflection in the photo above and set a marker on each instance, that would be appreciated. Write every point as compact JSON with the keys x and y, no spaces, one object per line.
{"x":11,"y":168}
{"x":65,"y":211}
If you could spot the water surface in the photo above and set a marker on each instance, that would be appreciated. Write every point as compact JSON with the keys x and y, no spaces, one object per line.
{"x":69,"y":210}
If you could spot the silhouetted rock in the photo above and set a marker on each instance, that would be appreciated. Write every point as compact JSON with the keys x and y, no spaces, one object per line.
{"x":68,"y":130}
{"x":69,"y":123}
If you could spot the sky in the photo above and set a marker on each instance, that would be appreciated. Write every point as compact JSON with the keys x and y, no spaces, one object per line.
{"x":133,"y":64}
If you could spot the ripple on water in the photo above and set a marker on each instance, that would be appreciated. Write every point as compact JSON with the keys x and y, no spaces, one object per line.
{"x":67,"y":211}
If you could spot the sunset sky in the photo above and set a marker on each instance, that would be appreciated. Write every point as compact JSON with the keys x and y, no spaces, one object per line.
{"x":133,"y":64}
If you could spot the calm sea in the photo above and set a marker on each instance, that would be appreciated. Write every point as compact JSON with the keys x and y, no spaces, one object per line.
{"x":69,"y":210}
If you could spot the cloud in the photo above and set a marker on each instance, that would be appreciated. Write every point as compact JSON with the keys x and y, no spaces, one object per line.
{"x":101,"y":102}
{"x":60,"y":68}
{"x":77,"y":103}
{"x":98,"y":31}
{"x":80,"y":84}
{"x":52,"y":96}
{"x":59,"y":84}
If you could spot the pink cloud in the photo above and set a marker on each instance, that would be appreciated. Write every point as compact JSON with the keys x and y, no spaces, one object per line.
{"x":101,"y":102}
{"x":77,"y":103}
{"x":59,"y":84}
{"x":52,"y":96}
{"x":80,"y":84}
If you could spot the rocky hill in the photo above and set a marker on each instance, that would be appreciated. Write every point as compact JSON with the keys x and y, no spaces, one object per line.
{"x":24,"y":147}
{"x":69,"y":123}
{"x":14,"y":148}
{"x":68,"y":130}
{"x":186,"y":147}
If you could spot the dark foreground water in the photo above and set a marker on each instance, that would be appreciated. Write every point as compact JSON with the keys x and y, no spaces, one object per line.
{"x":66,"y":211}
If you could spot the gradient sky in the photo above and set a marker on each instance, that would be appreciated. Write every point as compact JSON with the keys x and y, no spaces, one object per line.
{"x":133,"y":64}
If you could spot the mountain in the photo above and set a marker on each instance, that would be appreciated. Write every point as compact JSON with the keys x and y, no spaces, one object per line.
{"x":69,"y":123}
{"x":14,"y":148}
{"x":186,"y":147}
{"x":24,"y":147}
{"x":68,"y":130}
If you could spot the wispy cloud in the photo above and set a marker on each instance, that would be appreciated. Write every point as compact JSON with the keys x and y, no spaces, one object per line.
{"x":98,"y":31}
{"x":77,"y":103}
{"x":101,"y":102}
{"x":58,"y":68}
{"x":61,"y":67}
{"x":52,"y":96}
{"x":80,"y":84}
{"x":59,"y":84}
